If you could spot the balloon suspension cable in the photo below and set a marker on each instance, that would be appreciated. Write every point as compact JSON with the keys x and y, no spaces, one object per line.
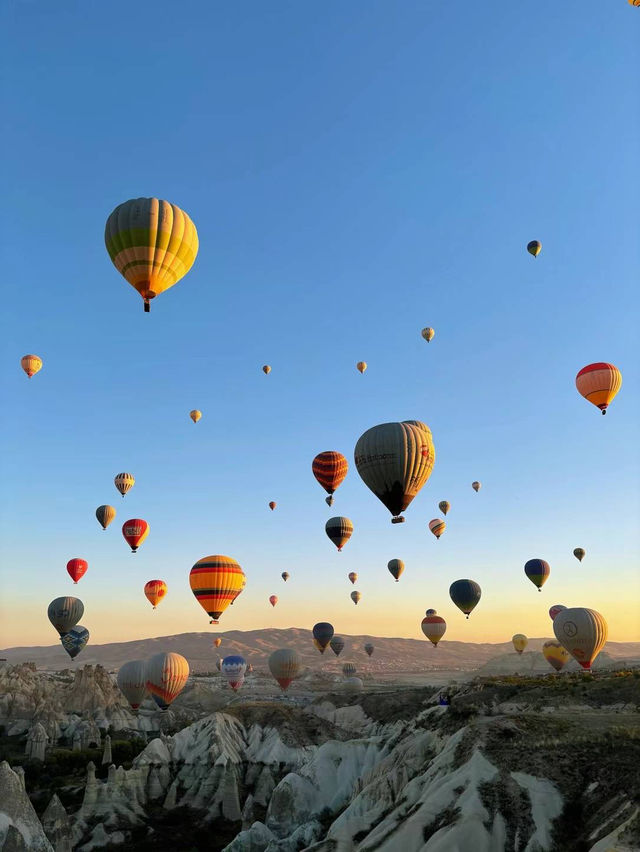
{"x":147,"y":306}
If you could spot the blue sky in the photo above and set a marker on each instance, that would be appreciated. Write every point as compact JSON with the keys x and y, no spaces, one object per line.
{"x":355,"y":172}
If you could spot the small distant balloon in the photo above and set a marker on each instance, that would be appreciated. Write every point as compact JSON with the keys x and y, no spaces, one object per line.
{"x":348,"y":670}
{"x":132,"y":682}
{"x":538,"y":571}
{"x":330,"y":469}
{"x":368,"y":649}
{"x":428,"y":334}
{"x":339,"y":530}
{"x":583,"y":632}
{"x":273,"y":600}
{"x":430,"y":612}
{"x":437,"y":527}
{"x":361,"y":366}
{"x":534,"y":247}
{"x":599,"y":383}
{"x":124,"y":482}
{"x":195,"y":415}
{"x":476,"y":486}
{"x":75,"y":640}
{"x":135,"y":531}
{"x":105,"y":514}
{"x":337,"y":645}
{"x":322,"y":635}
{"x":285,"y":575}
{"x":31,"y":364}
{"x":579,"y":553}
{"x":465,"y":594}
{"x":234,"y":668}
{"x":285,"y":665}
{"x":154,"y":591}
{"x":355,"y":597}
{"x":217,"y":642}
{"x":167,"y":675}
{"x":520,"y":642}
{"x":272,"y":505}
{"x":353,"y":577}
{"x":266,"y":369}
{"x":396,"y":567}
{"x":433,"y":627}
{"x":555,"y":654}
{"x":444,"y":506}
{"x":77,"y":568}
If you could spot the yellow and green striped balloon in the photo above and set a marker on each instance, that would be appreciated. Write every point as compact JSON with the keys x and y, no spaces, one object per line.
{"x":152,"y":243}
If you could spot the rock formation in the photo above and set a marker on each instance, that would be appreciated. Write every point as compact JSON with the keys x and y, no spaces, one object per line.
{"x":20,"y":828}
{"x":37,"y":740}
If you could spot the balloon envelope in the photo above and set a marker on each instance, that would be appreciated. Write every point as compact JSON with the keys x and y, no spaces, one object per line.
{"x":195,"y":415}
{"x":555,"y":654}
{"x":285,"y":665}
{"x":368,"y":649}
{"x":394,"y":460}
{"x":152,"y":243}
{"x":105,"y":514}
{"x":555,"y":609}
{"x":272,"y":505}
{"x":434,"y":628}
{"x":428,"y":334}
{"x":154,"y":591}
{"x":31,"y":364}
{"x":339,"y":530}
{"x":217,"y":642}
{"x":330,"y":469}
{"x":65,"y":613}
{"x":437,"y":527}
{"x":538,"y":571}
{"x":273,"y":600}
{"x":234,"y":668}
{"x":285,"y":575}
{"x":348,"y":670}
{"x":124,"y":482}
{"x":337,"y":645}
{"x":132,"y":682}
{"x":520,"y":642}
{"x":353,"y":684}
{"x":599,"y":383}
{"x":361,"y":366}
{"x":353,"y":577}
{"x":134,"y":531}
{"x":216,"y":581}
{"x":465,"y":594}
{"x":476,"y":486}
{"x":266,"y":369}
{"x":355,"y":597}
{"x":396,"y":567}
{"x":583,"y":632}
{"x":74,"y":641}
{"x":167,"y":674}
{"x":444,"y":506}
{"x":322,"y":635}
{"x":534,"y":247}
{"x":77,"y":568}
{"x":579,"y":553}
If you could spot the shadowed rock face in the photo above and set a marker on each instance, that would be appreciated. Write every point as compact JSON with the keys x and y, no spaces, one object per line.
{"x":20,"y":828}
{"x":57,"y":825}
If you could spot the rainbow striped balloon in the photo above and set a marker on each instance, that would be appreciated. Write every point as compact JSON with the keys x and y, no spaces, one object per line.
{"x":216,"y":581}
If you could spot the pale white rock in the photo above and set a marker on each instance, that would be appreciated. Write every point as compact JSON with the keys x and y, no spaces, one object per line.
{"x":546,"y":805}
{"x":254,"y":839}
{"x":20,"y":828}
{"x":57,"y":825}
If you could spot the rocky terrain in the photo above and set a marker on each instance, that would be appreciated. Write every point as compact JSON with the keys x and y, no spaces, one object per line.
{"x":391,"y":656}
{"x":512,"y":763}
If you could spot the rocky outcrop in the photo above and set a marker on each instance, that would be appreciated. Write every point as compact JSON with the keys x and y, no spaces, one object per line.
{"x":57,"y":825}
{"x":37,"y":740}
{"x":20,"y":828}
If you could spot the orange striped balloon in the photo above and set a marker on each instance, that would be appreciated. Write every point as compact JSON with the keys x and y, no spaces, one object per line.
{"x":166,"y":676}
{"x":216,"y":581}
{"x":31,"y":364}
{"x":155,"y":590}
{"x":330,"y":469}
{"x":599,"y":383}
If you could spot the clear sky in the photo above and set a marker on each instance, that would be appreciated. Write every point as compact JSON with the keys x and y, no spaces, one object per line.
{"x":356,"y":171}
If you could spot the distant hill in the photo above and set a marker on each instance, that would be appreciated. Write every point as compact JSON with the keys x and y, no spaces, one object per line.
{"x":390,"y":655}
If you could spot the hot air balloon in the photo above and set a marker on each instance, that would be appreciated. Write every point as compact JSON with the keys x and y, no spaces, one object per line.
{"x":555,"y":654}
{"x":124,"y":482}
{"x":330,"y":469}
{"x":154,"y":591}
{"x":353,"y":577}
{"x":534,"y":247}
{"x":132,"y":682}
{"x":428,"y":334}
{"x":583,"y":632}
{"x":430,"y":612}
{"x":234,"y":668}
{"x":135,"y":530}
{"x":31,"y":364}
{"x":353,"y":684}
{"x":433,"y":627}
{"x":537,"y":570}
{"x":219,"y":664}
{"x":249,"y":668}
{"x":105,"y":514}
{"x":444,"y":506}
{"x":396,"y":567}
{"x":152,"y":243}
{"x":579,"y":553}
{"x":337,"y":645}
{"x":355,"y":597}
{"x":476,"y":486}
{"x":361,"y":366}
{"x":65,"y":613}
{"x":284,"y":665}
{"x":272,"y":505}
{"x":394,"y":461}
{"x":368,"y":649}
{"x":217,"y":642}
{"x":285,"y":575}
{"x":74,"y":641}
{"x":339,"y":530}
{"x":266,"y":369}
{"x":348,"y":670}
{"x":167,"y":674}
{"x":322,"y":635}
{"x":437,"y":527}
{"x":520,"y":642}
{"x":195,"y":415}
{"x":465,"y":594}
{"x":599,"y":383}
{"x":216,"y":581}
{"x":555,"y":609}
{"x":77,"y":568}
{"x":273,"y":600}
